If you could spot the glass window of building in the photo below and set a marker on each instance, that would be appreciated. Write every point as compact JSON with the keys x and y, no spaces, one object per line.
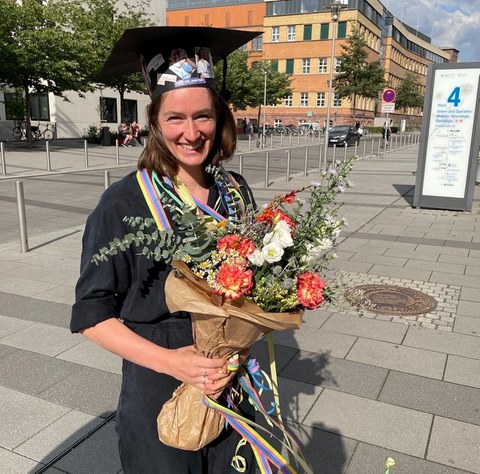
{"x":130,"y":110}
{"x":305,"y":66}
{"x":303,"y":99}
{"x":288,"y":101}
{"x":257,"y":43}
{"x":274,"y":65}
{"x":108,"y":109}
{"x":277,"y":122}
{"x":320,"y":99}
{"x":337,"y":101}
{"x":342,"y":29}
{"x":307,"y":32}
{"x":289,"y":66}
{"x":275,"y":34}
{"x":40,"y":109}
{"x":322,"y":65}
{"x":324,"y":27}
{"x":338,"y":64}
{"x":291,"y":33}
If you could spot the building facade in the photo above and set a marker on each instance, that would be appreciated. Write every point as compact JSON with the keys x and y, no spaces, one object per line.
{"x":297,"y":39}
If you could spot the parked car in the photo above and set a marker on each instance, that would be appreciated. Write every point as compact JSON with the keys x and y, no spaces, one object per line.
{"x":343,"y":135}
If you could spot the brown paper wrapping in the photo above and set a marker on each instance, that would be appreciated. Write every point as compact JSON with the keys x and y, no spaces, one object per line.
{"x":221,"y":328}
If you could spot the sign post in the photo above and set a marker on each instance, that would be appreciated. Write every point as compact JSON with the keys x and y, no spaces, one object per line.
{"x":450,"y":138}
{"x":388,"y":102}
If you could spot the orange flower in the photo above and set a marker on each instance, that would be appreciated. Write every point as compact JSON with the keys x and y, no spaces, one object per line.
{"x":233,"y":281}
{"x":310,"y":290}
{"x":273,"y":216}
{"x":230,"y":242}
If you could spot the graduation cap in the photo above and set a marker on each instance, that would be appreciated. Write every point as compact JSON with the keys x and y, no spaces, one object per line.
{"x":174,"y":56}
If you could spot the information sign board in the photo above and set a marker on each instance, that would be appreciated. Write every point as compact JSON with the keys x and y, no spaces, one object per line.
{"x":388,"y":107}
{"x":450,"y":137}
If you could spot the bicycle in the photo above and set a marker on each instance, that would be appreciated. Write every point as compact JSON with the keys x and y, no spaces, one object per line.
{"x":19,"y":132}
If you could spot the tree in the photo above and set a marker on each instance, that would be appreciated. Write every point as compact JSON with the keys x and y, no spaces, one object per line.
{"x":246,"y":85}
{"x":408,"y":93}
{"x":358,"y":77}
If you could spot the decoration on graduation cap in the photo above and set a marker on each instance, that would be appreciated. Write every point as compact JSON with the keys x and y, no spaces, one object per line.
{"x":171,"y":57}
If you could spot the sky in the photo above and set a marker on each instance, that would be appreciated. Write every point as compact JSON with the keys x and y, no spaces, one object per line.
{"x":450,"y":23}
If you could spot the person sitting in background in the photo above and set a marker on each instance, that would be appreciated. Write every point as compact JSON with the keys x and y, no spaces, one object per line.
{"x":124,"y":135}
{"x":135,"y":130}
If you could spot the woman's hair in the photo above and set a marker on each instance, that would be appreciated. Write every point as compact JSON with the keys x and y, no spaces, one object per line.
{"x":157,"y":157}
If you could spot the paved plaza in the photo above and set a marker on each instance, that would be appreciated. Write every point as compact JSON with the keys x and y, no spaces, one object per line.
{"x":356,"y":386}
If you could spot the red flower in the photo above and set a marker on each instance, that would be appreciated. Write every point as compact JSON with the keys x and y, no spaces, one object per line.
{"x":273,"y":216}
{"x":230,"y":242}
{"x":233,"y":281}
{"x":310,"y":290}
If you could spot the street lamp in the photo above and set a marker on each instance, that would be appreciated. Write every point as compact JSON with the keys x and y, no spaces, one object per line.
{"x":334,"y":8}
{"x":264,"y":103}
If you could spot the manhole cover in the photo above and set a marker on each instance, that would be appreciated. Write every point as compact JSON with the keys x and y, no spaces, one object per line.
{"x":396,"y":300}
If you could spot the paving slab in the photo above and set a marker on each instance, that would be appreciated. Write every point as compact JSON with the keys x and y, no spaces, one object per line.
{"x":12,"y":325}
{"x":455,"y":443}
{"x":43,"y":339}
{"x":346,"y":376}
{"x":463,"y":371}
{"x":452,"y":279}
{"x":58,"y":437}
{"x":89,"y":390}
{"x":371,"y":459}
{"x":315,"y":318}
{"x":283,"y":355}
{"x":448,"y":343}
{"x":23,"y":416}
{"x":375,"y":422}
{"x":401,"y":272}
{"x":470,"y":294}
{"x":397,"y":357}
{"x":432,"y":396}
{"x":316,"y":340}
{"x":469,"y":308}
{"x":467,"y":325}
{"x":13,"y":463}
{"x":361,"y":327}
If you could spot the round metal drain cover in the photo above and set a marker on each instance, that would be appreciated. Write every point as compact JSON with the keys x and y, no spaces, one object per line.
{"x":396,"y":300}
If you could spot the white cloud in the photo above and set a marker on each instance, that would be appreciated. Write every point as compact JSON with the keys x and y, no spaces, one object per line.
{"x":450,"y":23}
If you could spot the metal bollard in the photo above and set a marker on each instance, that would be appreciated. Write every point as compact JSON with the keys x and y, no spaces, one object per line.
{"x":355,"y":149}
{"x":117,"y":151}
{"x":144,"y":142}
{"x":379,"y":146}
{"x":290,"y":140}
{"x":289,"y":157}
{"x":305,"y":165}
{"x":320,"y":157}
{"x":345,"y":152}
{"x":334,"y":157}
{"x":85,"y":152}
{"x":281,"y":140}
{"x":47,"y":152}
{"x":240,"y":164}
{"x":298,"y":139}
{"x":271,"y":140}
{"x":22,"y":216}
{"x":371,"y":151}
{"x":364,"y":149}
{"x":106,"y":178}
{"x":2,"y":157}
{"x":249,"y":142}
{"x":267,"y":169}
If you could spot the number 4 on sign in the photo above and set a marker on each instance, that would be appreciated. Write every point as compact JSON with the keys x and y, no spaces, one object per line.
{"x":454,"y":97}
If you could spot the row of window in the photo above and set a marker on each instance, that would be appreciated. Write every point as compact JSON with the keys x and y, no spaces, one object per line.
{"x":307,"y":66}
{"x":304,"y":100}
{"x":289,"y":32}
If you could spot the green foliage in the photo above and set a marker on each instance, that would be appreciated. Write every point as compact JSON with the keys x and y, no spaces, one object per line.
{"x":408,"y":93}
{"x":357,"y":76}
{"x":246,"y":85}
{"x":93,"y":134}
{"x":15,"y":105}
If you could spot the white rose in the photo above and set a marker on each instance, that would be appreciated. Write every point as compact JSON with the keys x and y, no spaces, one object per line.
{"x":267,"y":238}
{"x":282,"y":234}
{"x":257,"y":258}
{"x":272,"y":252}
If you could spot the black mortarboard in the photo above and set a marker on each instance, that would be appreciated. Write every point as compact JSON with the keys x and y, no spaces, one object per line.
{"x":173,"y":56}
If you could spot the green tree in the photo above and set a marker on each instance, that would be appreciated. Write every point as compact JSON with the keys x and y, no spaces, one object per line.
{"x":246,"y":85}
{"x":357,"y":77}
{"x":408,"y":93}
{"x":40,"y":50}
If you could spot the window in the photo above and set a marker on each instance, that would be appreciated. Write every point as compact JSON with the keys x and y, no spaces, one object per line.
{"x":291,"y":33}
{"x":274,"y":65}
{"x":303,"y":99}
{"x":275,"y":34}
{"x":277,"y":122}
{"x":305,"y":66}
{"x":320,"y":99}
{"x":337,"y":101}
{"x":288,"y":102}
{"x":322,"y":65}
{"x":257,"y":43}
{"x":342,"y":29}
{"x":108,"y":109}
{"x":338,"y":64}
{"x":40,"y":109}
{"x":307,"y":32}
{"x":289,"y":66}
{"x":324,"y":31}
{"x":130,"y":110}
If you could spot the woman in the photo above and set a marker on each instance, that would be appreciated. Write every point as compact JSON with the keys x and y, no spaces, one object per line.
{"x":190,"y":127}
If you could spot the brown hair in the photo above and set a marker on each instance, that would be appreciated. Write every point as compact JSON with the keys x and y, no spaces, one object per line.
{"x":157,"y":157}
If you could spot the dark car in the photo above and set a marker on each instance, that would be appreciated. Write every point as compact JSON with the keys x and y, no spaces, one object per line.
{"x":343,"y":135}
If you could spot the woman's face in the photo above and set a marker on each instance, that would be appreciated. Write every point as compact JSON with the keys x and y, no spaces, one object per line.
{"x":187,"y":121}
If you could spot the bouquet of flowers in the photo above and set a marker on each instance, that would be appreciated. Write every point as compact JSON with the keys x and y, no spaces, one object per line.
{"x":240,"y":278}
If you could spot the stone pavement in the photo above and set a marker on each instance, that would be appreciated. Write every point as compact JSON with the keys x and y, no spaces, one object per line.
{"x":355,"y":387}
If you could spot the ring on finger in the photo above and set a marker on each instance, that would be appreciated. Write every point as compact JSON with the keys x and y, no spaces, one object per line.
{"x":204,"y":379}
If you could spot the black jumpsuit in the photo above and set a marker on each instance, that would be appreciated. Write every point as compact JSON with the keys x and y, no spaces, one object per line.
{"x":131,"y":287}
